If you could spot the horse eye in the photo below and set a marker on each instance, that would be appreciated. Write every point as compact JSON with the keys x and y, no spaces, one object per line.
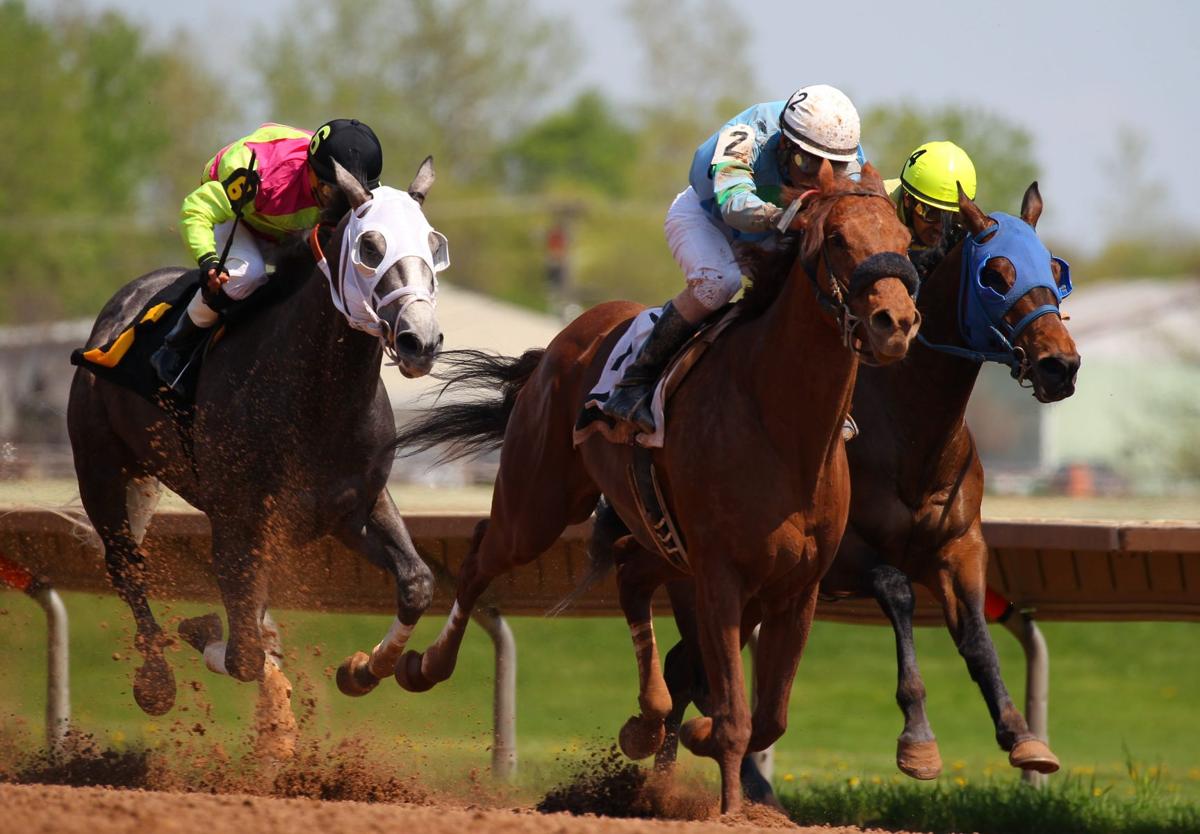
{"x":994,"y":280}
{"x":370,"y":249}
{"x":837,"y":240}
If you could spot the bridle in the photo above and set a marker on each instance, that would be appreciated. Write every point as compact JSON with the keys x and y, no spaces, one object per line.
{"x":836,"y":301}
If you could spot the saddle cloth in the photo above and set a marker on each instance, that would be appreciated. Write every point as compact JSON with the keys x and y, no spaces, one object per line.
{"x":592,"y":419}
{"x":125,"y":360}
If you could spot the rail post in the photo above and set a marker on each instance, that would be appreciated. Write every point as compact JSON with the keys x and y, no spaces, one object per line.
{"x":1037,"y":682}
{"x":504,"y":693}
{"x":58,"y":648}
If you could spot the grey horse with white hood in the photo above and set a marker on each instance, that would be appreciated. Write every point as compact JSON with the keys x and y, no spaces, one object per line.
{"x":290,"y":436}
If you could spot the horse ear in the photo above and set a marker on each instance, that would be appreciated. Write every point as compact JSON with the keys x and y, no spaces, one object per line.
{"x":825,"y":176}
{"x":973,"y":218}
{"x":871,"y":179}
{"x":351,"y":187}
{"x":1031,"y":205}
{"x":422,"y":182}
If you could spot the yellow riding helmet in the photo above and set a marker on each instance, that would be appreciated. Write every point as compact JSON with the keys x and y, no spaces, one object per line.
{"x":931,"y":172}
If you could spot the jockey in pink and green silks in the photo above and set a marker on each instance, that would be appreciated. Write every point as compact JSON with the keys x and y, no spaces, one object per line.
{"x":296,"y":180}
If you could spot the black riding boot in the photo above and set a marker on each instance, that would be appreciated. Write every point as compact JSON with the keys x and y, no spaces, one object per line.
{"x":630,"y":398}
{"x":170,"y":359}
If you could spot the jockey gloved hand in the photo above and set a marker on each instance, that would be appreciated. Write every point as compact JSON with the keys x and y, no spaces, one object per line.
{"x":213,"y":276}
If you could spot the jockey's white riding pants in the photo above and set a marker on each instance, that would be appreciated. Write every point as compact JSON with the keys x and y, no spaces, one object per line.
{"x":246,"y":266}
{"x":702,"y":249}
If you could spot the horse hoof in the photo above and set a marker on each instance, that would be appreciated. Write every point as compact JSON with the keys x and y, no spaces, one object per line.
{"x":641,"y":737}
{"x":1033,"y":754}
{"x":198,"y":632}
{"x":245,"y":665}
{"x":919,"y":759}
{"x":695,"y":734}
{"x":353,"y":676}
{"x":154,"y":687}
{"x":409,"y":674}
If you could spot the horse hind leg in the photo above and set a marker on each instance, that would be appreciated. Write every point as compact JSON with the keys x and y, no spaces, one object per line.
{"x":119,"y":508}
{"x":547,"y":503}
{"x":542,"y":487}
{"x":638,"y":575}
{"x":961,"y":593}
{"x":385,"y":542}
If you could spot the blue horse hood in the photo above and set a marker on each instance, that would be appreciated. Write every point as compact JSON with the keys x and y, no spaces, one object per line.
{"x":981,"y":309}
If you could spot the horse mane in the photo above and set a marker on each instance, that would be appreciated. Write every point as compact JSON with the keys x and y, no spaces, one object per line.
{"x":768,"y":267}
{"x":294,"y":258}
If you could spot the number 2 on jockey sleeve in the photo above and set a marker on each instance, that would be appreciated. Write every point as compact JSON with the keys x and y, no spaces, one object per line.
{"x":735,"y":143}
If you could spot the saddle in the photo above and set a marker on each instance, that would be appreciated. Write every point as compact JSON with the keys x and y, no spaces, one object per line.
{"x":652,"y":502}
{"x":125,"y":359}
{"x":592,"y":419}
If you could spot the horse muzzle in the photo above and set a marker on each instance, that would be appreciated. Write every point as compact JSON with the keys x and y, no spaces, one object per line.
{"x":1054,"y":377}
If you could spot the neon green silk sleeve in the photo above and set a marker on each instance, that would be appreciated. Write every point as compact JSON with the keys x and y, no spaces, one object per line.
{"x":204,"y":209}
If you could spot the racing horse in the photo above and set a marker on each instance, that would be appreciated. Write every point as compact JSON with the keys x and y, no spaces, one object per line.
{"x":291,"y":429}
{"x":753,"y":466}
{"x":917,"y":478}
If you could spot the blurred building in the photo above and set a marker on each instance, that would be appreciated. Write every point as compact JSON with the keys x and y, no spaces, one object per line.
{"x":1139,"y":341}
{"x":1140,"y":379}
{"x":35,"y":379}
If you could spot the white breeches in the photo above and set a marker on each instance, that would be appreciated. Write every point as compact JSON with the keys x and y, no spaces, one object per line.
{"x":701,"y":248}
{"x":246,"y":266}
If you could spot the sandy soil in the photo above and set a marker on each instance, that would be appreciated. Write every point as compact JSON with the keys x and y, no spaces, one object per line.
{"x":32,"y":809}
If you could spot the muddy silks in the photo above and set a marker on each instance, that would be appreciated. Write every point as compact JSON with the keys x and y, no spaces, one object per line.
{"x":981,"y":309}
{"x":398,"y":218}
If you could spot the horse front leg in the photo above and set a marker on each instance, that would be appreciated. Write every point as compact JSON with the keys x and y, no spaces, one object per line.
{"x":639,"y":574}
{"x":385,"y":541}
{"x":781,"y":640}
{"x":237,"y":561}
{"x":725,"y":734}
{"x":916,"y":749}
{"x":961,"y":589}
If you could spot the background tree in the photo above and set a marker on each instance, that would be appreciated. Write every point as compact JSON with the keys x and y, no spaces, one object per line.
{"x":93,"y":122}
{"x":448,"y":77}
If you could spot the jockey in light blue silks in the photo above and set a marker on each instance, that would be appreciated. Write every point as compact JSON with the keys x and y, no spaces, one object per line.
{"x":737,"y":180}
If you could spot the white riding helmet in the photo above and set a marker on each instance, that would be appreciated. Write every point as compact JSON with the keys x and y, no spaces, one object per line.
{"x":822,"y":120}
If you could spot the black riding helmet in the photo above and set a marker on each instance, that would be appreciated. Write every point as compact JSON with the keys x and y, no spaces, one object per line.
{"x":355,"y":147}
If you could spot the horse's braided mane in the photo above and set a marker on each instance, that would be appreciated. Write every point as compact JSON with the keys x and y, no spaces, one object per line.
{"x":768,"y":267}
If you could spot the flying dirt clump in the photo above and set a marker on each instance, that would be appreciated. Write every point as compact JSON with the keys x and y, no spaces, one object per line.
{"x":606,"y":784}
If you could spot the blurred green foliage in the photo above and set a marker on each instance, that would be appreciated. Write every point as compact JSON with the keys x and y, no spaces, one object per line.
{"x":106,"y":130}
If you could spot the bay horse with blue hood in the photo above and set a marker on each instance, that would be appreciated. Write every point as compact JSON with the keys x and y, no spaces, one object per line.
{"x":291,"y":430}
{"x":918,"y":480}
{"x":753,"y":467}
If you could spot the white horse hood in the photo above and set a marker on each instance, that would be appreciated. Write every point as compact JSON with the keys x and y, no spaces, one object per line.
{"x":398,"y":218}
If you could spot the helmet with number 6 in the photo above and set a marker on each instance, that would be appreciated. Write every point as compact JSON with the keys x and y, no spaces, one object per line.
{"x":822,"y":120}
{"x":353,"y":145}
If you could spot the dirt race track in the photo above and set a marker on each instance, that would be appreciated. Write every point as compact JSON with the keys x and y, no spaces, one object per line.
{"x":34,"y":809}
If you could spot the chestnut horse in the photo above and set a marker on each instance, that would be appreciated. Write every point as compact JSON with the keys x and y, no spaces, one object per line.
{"x":918,"y":483}
{"x":753,"y":466}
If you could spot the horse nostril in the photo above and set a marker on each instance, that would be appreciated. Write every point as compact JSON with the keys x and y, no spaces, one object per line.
{"x":883,"y":321}
{"x":408,"y":342}
{"x":1055,"y":370}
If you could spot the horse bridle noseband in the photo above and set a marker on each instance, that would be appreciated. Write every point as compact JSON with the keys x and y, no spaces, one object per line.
{"x":875,"y":268}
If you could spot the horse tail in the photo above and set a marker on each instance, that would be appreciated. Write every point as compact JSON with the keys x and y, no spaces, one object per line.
{"x":602,"y":558}
{"x":475,"y":423}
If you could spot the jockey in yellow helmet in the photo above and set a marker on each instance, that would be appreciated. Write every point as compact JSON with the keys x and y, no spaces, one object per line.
{"x":926,"y":194}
